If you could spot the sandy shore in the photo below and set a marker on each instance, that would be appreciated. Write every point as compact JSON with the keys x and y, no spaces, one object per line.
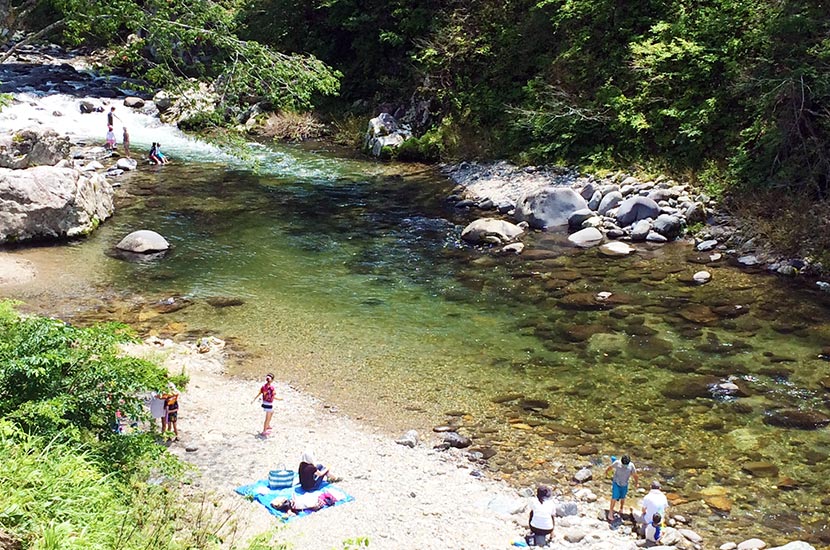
{"x":404,"y":498}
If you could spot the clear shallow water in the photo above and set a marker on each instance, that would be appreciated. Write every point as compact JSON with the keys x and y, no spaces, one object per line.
{"x":355,"y":285}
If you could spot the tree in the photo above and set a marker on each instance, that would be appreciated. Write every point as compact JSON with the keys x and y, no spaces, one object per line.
{"x":169,"y":42}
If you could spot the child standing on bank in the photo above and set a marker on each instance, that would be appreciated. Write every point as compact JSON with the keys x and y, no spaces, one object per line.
{"x":110,"y":139}
{"x":171,"y":409}
{"x":126,"y":140}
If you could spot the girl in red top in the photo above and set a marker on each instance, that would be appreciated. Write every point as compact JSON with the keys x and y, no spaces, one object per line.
{"x":268,"y":393}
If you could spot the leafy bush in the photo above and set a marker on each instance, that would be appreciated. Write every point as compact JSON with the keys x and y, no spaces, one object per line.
{"x":436,"y":144}
{"x":60,"y":381}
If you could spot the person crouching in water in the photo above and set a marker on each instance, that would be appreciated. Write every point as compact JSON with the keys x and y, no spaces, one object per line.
{"x":542,"y":511}
{"x":153,"y":154}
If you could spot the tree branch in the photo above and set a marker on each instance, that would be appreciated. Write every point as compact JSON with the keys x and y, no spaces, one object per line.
{"x":31,"y":38}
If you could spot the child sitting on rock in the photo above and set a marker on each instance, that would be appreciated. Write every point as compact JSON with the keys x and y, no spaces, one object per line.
{"x":653,"y":531}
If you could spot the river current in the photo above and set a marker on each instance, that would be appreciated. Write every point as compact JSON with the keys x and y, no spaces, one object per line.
{"x":349,"y":278}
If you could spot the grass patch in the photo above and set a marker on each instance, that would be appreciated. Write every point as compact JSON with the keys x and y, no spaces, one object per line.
{"x":793,"y":224}
{"x":290,"y":126}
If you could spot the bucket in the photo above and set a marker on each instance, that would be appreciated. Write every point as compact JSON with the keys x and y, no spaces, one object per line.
{"x":280,"y":478}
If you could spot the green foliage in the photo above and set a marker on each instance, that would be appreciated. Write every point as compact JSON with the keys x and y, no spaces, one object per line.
{"x":58,"y":496}
{"x":5,"y":100}
{"x":434,"y":145}
{"x":356,"y":543}
{"x":71,"y":383}
{"x":169,"y":41}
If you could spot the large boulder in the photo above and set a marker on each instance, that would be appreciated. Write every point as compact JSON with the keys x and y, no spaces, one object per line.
{"x":143,"y":242}
{"x":609,"y":201}
{"x":549,"y":206}
{"x":33,"y":147}
{"x":51,"y":202}
{"x":636,"y":208}
{"x":489,"y":230}
{"x":669,"y":226}
{"x":384,"y":132}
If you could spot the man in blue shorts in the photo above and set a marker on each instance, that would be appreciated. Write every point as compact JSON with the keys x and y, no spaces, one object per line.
{"x":623,"y":471}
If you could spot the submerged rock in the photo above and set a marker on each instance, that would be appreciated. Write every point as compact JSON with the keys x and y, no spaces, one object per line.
{"x":586,"y":238}
{"x":760,"y":469}
{"x":797,"y":418}
{"x":490,"y":230}
{"x":616,"y":249}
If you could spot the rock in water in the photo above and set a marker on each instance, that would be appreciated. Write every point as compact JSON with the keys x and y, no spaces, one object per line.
{"x":702,"y":277}
{"x":760,"y":469}
{"x":615,"y":249}
{"x":454,"y":439}
{"x":669,"y":226}
{"x":143,"y":241}
{"x":51,"y":202}
{"x":126,"y":164}
{"x":134,"y":102}
{"x":489,"y":230}
{"x":549,"y":207}
{"x":795,"y":418}
{"x":583,"y":475}
{"x":752,"y":544}
{"x":795,"y":545}
{"x":586,"y":238}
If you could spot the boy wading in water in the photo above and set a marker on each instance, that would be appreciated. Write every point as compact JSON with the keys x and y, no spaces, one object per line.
{"x":623,"y":471}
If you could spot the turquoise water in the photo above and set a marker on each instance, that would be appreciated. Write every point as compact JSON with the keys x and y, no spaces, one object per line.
{"x":354,"y":284}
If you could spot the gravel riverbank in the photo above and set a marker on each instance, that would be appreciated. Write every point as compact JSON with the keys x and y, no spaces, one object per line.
{"x":405,"y":498}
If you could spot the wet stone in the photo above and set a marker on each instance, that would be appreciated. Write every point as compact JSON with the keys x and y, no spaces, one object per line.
{"x":690,"y":463}
{"x":796,"y":418}
{"x":586,"y":450}
{"x":699,"y":314}
{"x":760,"y":469}
{"x":689,"y":388}
{"x":785,"y":483}
{"x":534,"y":404}
{"x":486,"y":452}
{"x":443,"y":429}
{"x":593,"y":428}
{"x":648,"y":348}
{"x":570,"y":442}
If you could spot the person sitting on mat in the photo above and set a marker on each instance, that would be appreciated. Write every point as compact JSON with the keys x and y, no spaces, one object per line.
{"x":312,"y":474}
{"x":302,"y":502}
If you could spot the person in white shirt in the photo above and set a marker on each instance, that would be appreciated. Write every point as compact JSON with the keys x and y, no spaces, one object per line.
{"x":655,"y":502}
{"x":542,"y":510}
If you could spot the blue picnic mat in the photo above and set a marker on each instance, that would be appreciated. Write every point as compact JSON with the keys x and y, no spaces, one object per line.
{"x":260,"y":492}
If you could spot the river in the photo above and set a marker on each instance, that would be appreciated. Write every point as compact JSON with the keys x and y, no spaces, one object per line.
{"x":348,"y":278}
